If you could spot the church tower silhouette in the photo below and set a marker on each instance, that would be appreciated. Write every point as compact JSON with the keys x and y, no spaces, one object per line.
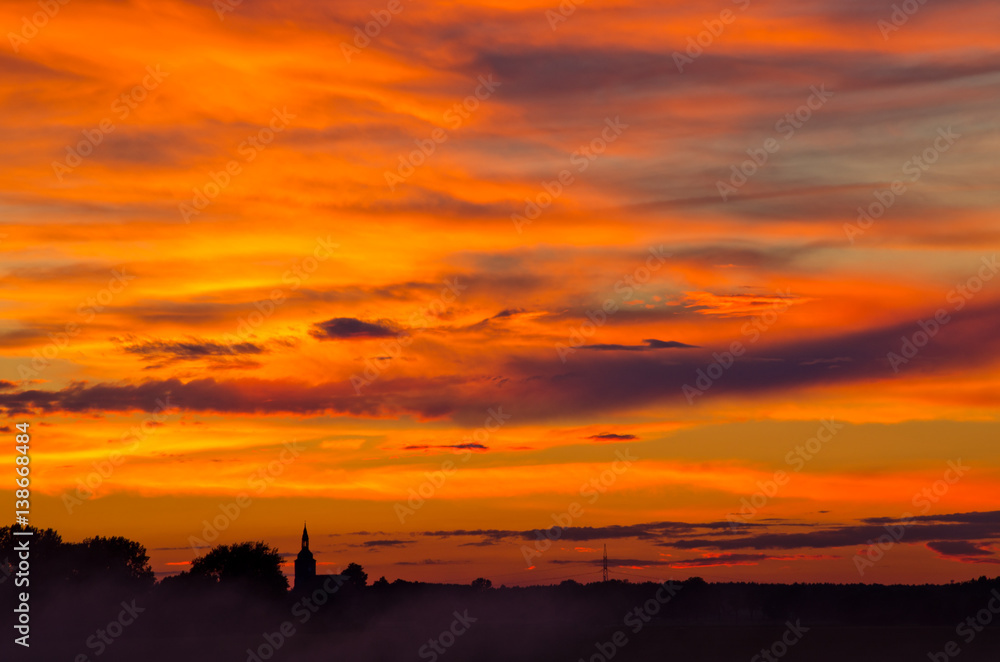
{"x":305,"y":564}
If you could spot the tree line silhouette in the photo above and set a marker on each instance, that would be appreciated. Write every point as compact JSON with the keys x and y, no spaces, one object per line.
{"x":234,"y":599}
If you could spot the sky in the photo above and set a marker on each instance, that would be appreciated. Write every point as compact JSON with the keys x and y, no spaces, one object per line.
{"x":712,"y":284}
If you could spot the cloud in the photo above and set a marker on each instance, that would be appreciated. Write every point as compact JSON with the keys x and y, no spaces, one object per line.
{"x":431,"y":562}
{"x":489,"y":534}
{"x":725,"y":560}
{"x":706,"y":561}
{"x":635,"y":563}
{"x":503,"y":314}
{"x":607,"y":436}
{"x":245,"y":395}
{"x":964,"y":551}
{"x":737,"y":305}
{"x":191,"y":349}
{"x":651,"y":344}
{"x":722,"y":536}
{"x":831,"y":362}
{"x":469,"y":446}
{"x":162,"y":353}
{"x":959,"y":548}
{"x":386,"y":543}
{"x":26,"y":336}
{"x":982,"y":517}
{"x":960,"y":527}
{"x":349,"y":328}
{"x":720,"y":560}
{"x":650,"y":531}
{"x":187,"y":314}
{"x":609,"y":381}
{"x":539,"y":389}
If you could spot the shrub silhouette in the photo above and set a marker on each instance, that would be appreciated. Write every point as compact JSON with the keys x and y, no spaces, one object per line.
{"x":356,"y":575}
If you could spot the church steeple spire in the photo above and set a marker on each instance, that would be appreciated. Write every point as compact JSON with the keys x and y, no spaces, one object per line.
{"x":305,"y":564}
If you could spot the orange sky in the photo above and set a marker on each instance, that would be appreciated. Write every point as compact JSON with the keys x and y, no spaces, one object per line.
{"x":487,"y":251}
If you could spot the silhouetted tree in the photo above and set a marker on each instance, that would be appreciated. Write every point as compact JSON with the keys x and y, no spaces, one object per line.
{"x":356,"y":575}
{"x":381,"y":581}
{"x":46,"y":549}
{"x":115,"y":558}
{"x":481,"y":584}
{"x":54,"y":562}
{"x":254,"y":565}
{"x":695,"y":582}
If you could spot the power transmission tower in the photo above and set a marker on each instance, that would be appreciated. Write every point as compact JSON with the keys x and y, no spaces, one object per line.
{"x":605,"y":563}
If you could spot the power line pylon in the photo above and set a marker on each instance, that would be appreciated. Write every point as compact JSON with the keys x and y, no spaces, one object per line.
{"x":605,"y":563}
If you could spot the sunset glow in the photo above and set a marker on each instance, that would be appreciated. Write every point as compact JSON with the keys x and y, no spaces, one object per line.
{"x":730,"y":309}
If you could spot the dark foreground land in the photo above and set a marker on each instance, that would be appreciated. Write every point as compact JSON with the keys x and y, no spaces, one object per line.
{"x":619,"y":621}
